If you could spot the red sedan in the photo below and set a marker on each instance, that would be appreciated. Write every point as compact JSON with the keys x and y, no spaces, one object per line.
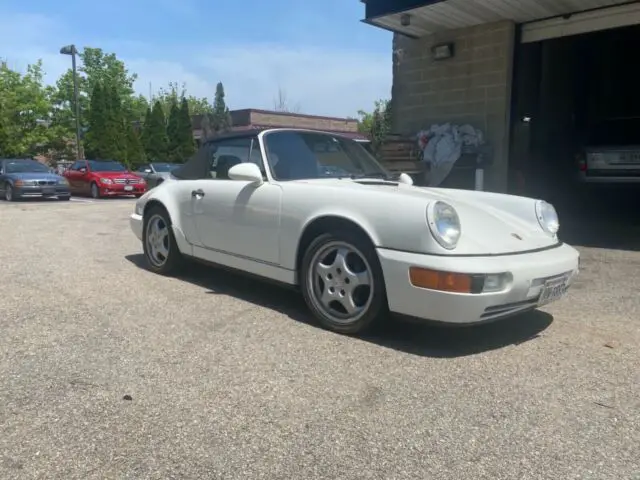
{"x":103,"y":178}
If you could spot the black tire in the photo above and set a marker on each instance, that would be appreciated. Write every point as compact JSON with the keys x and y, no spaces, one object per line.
{"x":174,"y":260}
{"x":9,"y":194}
{"x":377,"y":309}
{"x":95,"y":190}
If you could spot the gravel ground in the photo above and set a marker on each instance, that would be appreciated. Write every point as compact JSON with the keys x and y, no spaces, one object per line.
{"x":108,"y":371}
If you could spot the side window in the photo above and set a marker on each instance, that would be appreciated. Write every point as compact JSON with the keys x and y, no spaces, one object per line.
{"x":225,"y":154}
{"x":142,"y":168}
{"x":77,"y":166}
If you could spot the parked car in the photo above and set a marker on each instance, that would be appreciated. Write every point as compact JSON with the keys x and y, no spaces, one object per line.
{"x":357,"y":244}
{"x":612,"y":152}
{"x":27,"y":178}
{"x":155,"y":173}
{"x":103,"y":178}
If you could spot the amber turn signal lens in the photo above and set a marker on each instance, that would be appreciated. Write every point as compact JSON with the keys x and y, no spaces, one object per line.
{"x":444,"y":281}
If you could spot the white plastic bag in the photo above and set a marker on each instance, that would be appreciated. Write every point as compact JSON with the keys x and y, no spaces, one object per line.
{"x":442,"y":147}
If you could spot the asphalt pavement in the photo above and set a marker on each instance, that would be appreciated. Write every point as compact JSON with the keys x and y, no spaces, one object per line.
{"x":108,"y":371}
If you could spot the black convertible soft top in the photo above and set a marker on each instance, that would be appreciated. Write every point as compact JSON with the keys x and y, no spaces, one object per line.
{"x":199,"y":165}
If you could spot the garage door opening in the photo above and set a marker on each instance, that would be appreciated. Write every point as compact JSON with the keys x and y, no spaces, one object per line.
{"x":576,"y":124}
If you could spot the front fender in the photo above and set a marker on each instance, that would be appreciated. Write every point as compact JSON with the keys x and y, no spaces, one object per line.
{"x":170,"y":201}
{"x":397,"y":223}
{"x":347,"y":215}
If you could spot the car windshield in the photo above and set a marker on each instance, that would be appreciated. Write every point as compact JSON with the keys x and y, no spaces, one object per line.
{"x":25,"y":166}
{"x":295,"y":155}
{"x":164,"y":167}
{"x":99,"y":166}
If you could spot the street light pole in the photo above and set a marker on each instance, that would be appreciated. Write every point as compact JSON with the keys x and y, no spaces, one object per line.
{"x":71,"y":50}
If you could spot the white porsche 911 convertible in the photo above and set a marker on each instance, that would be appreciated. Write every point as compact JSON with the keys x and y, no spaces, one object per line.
{"x":315,"y":210}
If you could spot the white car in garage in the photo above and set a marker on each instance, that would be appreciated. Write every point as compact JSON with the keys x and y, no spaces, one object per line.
{"x":315,"y":210}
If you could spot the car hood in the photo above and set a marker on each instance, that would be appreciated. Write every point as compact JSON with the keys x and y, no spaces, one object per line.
{"x":116,"y":175}
{"x":34,"y":176}
{"x":491,"y":223}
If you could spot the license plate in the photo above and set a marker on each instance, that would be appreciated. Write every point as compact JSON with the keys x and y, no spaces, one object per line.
{"x":128,"y":188}
{"x":553,"y":290}
{"x":627,"y":157}
{"x":48,"y":190}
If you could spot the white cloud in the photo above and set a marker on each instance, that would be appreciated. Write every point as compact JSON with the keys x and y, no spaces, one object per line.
{"x":321,"y":81}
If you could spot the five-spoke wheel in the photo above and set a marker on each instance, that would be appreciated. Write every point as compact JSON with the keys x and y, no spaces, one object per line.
{"x":342,"y":282}
{"x":160,"y":248}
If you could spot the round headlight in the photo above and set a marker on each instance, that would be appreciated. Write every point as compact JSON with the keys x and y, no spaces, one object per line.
{"x":547,"y":217}
{"x":444,"y":224}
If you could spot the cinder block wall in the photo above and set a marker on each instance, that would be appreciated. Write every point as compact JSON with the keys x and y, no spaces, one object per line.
{"x":472,"y":87}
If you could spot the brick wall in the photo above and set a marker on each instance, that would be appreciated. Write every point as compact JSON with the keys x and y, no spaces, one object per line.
{"x":248,"y":118}
{"x":472,"y":87}
{"x":277,"y":119}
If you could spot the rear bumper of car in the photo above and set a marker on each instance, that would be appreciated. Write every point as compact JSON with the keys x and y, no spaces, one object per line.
{"x":41,"y":191}
{"x":527,"y":274}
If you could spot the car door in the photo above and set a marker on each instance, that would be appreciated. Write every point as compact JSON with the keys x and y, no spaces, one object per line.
{"x":235,"y":216}
{"x":145,"y":172}
{"x":85,"y":178}
{"x":2,"y":177}
{"x":73,"y":175}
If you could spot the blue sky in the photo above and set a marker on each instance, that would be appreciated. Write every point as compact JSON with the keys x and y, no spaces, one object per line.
{"x":325,"y":60}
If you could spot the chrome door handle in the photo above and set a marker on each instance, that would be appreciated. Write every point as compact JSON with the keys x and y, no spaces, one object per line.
{"x":197,"y":193}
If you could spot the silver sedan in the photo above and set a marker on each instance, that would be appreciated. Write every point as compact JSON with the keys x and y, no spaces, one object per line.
{"x":155,"y":173}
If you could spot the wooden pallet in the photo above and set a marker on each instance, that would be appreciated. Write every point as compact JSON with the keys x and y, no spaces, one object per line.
{"x":400,"y":154}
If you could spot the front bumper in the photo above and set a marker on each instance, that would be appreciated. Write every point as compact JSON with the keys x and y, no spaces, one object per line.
{"x":41,"y":191}
{"x":528,"y":271}
{"x":116,"y":189}
{"x":136,"y":224}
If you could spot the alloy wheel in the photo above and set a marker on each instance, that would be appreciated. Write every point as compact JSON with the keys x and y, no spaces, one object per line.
{"x":157,"y":240}
{"x":341,"y":282}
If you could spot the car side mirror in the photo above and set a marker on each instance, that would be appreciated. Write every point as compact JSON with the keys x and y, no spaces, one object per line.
{"x":404,"y":178}
{"x":248,"y":172}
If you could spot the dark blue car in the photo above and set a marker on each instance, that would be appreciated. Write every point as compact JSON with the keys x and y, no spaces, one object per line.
{"x":26,"y":178}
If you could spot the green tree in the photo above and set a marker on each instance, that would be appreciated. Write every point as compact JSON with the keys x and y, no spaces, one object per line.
{"x":220,"y":118}
{"x":116,"y":121}
{"x":173,"y":133}
{"x":25,"y":109}
{"x":167,"y":96}
{"x":107,"y":131}
{"x":185,"y":129}
{"x":135,"y":151}
{"x":138,"y":108}
{"x":155,"y":134}
{"x":95,"y":67}
{"x":377,"y":124}
{"x":199,"y":105}
{"x":95,"y":146}
{"x":144,"y":134}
